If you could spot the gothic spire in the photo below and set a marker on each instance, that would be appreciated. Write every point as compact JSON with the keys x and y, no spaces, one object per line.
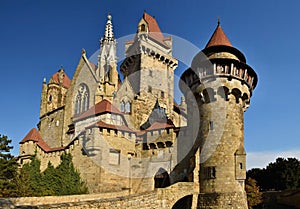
{"x":108,"y":34}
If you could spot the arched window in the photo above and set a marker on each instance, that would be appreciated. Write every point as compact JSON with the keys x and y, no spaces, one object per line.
{"x":50,"y":98}
{"x":82,"y":99}
{"x":143,"y":28}
{"x":127,"y":107}
{"x":122,"y":106}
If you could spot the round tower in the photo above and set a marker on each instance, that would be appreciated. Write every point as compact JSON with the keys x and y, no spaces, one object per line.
{"x":222,"y":84}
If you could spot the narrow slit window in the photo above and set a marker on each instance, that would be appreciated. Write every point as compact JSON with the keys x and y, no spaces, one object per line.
{"x":211,"y":125}
{"x":241,"y":165}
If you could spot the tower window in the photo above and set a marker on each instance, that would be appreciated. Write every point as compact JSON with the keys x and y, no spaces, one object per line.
{"x":143,"y":28}
{"x":50,"y":98}
{"x":149,"y":89}
{"x":162,"y":94}
{"x":241,"y":165}
{"x":210,"y":172}
{"x":211,"y":125}
{"x":150,"y":73}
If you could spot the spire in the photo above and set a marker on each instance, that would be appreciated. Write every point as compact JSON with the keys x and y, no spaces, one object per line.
{"x":108,"y":34}
{"x":218,"y":38}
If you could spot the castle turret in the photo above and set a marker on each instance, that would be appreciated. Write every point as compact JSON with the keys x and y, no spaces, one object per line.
{"x":51,"y":108}
{"x":107,"y":63}
{"x":222,"y":83}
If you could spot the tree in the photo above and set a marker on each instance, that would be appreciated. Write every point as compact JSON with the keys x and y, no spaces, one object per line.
{"x":254,"y":196}
{"x":62,"y":180}
{"x":31,"y":174}
{"x":70,"y":179}
{"x":8,"y":169}
{"x":279,"y":175}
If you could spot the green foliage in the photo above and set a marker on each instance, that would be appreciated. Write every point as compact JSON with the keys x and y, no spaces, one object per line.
{"x":68,"y":178}
{"x":62,"y":180}
{"x":254,"y":196}
{"x":8,"y":169}
{"x":280,"y":175}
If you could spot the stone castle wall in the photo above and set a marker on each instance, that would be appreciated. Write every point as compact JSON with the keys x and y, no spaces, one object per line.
{"x":163,"y":198}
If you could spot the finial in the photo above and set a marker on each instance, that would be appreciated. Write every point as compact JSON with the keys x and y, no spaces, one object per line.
{"x":44,"y":80}
{"x":219,"y":22}
{"x":83,"y":51}
{"x":108,"y":16}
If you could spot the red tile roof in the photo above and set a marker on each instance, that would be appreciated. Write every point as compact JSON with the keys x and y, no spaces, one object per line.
{"x":35,"y":136}
{"x":111,"y":126}
{"x":153,"y":29}
{"x":159,"y":125}
{"x":66,"y":80}
{"x":101,"y":107}
{"x":218,"y":38}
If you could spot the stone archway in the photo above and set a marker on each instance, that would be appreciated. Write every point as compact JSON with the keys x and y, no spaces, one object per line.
{"x":161,"y":179}
{"x":184,"y":203}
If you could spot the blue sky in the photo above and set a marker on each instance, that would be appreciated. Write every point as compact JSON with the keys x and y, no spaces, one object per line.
{"x":37,"y":37}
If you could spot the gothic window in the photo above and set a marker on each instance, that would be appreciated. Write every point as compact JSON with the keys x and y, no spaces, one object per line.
{"x":127,"y":107}
{"x":122,"y":106}
{"x":162,"y":94}
{"x":82,"y":99}
{"x":149,"y":89}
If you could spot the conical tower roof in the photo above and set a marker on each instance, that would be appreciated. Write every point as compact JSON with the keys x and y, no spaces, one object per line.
{"x":219,"y":43}
{"x":218,"y":38}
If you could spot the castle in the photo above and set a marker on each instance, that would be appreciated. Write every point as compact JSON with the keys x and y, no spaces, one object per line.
{"x":130,"y":135}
